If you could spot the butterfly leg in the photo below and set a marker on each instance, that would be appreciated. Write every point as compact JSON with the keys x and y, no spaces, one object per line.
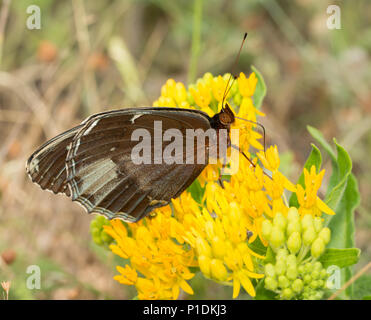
{"x":240,"y":151}
{"x":252,"y":163}
{"x":220,"y":176}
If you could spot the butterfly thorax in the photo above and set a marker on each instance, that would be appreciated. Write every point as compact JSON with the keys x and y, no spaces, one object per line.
{"x":223,"y":119}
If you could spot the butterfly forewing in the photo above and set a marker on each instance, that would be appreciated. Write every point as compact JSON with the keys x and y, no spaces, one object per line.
{"x":102,"y":175}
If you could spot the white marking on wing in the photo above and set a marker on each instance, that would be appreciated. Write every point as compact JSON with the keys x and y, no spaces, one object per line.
{"x":34,"y":165}
{"x":75,"y":150}
{"x":91,"y":127}
{"x":105,"y":165}
{"x":136,"y":116}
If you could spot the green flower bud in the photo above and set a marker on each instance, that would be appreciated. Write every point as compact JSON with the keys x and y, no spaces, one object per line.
{"x":308,"y":267}
{"x":269,"y":270}
{"x":297,"y":285}
{"x":283,"y":282}
{"x":317,"y":223}
{"x":315,"y":275}
{"x":308,"y":290}
{"x":318,"y":247}
{"x":291,"y":260}
{"x":309,"y":236}
{"x":287,"y":293}
{"x":98,"y":234}
{"x":93,"y":224}
{"x":293,"y":226}
{"x":314,"y":284}
{"x":277,"y":237}
{"x":97,"y":240}
{"x":294,"y":242}
{"x":325,"y":235}
{"x":101,"y":220}
{"x":95,"y":232}
{"x":291,"y":272}
{"x":270,"y":283}
{"x":282,"y":253}
{"x":293,"y":215}
{"x":317,"y":266}
{"x":280,"y":267}
{"x":307,"y":221}
{"x":307,"y":279}
{"x":266,"y":229}
{"x":280,"y":221}
{"x":323,"y":274}
{"x":301,"y":270}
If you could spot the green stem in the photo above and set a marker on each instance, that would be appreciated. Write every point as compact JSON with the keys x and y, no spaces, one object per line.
{"x":196,"y":40}
{"x":302,"y":253}
{"x":285,"y":199}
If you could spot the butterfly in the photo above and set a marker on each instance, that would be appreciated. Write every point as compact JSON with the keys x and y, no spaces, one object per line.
{"x":93,"y":162}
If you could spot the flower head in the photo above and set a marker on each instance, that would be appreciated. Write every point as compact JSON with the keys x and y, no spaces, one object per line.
{"x":247,"y":85}
{"x":158,"y":265}
{"x":307,"y":198}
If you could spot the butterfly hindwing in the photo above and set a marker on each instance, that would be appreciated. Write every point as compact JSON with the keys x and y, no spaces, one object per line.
{"x":101,"y":173}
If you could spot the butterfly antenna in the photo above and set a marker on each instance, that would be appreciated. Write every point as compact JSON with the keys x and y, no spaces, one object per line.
{"x":228,"y":88}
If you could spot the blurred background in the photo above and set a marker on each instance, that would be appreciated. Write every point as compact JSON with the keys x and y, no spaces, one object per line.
{"x":91,"y":56}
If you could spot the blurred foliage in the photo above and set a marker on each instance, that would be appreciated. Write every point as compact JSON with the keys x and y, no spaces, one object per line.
{"x":90,"y":56}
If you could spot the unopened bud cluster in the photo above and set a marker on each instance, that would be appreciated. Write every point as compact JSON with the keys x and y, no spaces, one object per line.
{"x":297,"y":242}
{"x":99,"y":236}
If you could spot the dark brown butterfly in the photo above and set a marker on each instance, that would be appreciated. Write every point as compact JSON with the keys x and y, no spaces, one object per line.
{"x":92,"y":163}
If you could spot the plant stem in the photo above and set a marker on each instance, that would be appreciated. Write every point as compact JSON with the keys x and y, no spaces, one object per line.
{"x":196,"y":39}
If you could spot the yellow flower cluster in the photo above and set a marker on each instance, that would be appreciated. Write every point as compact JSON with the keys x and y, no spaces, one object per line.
{"x":155,"y":248}
{"x":215,"y":234}
{"x":220,"y":240}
